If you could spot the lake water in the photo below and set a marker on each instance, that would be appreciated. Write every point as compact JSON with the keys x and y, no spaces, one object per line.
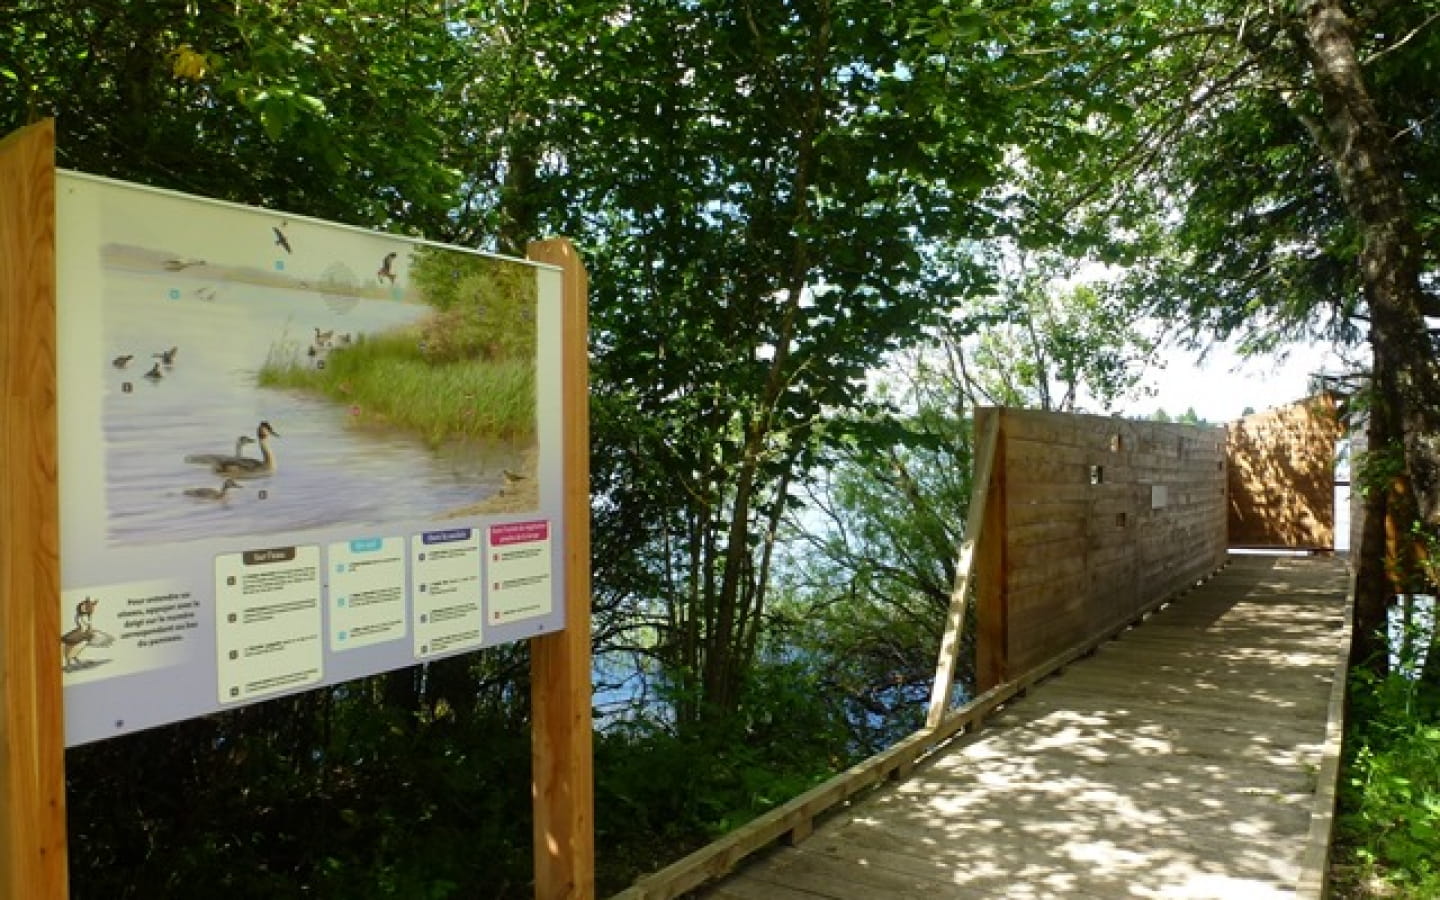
{"x":1423,"y":616}
{"x":328,"y":472}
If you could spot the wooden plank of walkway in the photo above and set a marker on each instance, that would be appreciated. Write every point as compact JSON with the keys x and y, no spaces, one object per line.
{"x":1177,"y":762}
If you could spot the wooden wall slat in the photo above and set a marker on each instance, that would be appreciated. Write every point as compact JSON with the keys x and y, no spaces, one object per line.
{"x":1282,"y":481}
{"x":1075,"y":558}
{"x":991,"y":596}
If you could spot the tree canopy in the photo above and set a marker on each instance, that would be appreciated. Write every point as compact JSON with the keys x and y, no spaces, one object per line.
{"x":775,"y":201}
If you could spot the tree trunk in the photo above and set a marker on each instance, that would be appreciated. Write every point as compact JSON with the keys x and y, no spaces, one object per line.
{"x":519,"y":209}
{"x":1391,"y":257}
{"x":1369,"y":647}
{"x":1405,"y":386}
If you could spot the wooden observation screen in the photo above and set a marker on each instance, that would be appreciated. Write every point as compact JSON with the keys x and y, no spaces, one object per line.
{"x":1282,"y":476}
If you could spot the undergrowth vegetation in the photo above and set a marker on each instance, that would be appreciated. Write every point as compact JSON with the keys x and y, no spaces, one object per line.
{"x":661,"y":794}
{"x":1388,"y":843}
{"x":414,"y":784}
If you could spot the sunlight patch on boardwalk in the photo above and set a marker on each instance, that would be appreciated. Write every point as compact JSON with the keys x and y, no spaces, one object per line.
{"x":1178,"y":762}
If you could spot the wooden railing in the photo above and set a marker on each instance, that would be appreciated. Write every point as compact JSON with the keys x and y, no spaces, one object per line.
{"x":1138,"y":457}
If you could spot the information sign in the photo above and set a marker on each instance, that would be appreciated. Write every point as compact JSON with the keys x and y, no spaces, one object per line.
{"x":292,"y":453}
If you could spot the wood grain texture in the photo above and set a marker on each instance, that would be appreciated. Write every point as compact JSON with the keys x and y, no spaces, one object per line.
{"x":562,"y":757}
{"x":991,"y":597}
{"x":1282,"y":476}
{"x":986,"y":440}
{"x":32,"y":743}
{"x":1085,"y":543}
{"x":795,"y":820}
{"x":1171,"y":763}
{"x":1314,"y":881}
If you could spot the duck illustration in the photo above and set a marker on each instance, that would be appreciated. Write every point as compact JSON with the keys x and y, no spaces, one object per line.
{"x":121,"y":362}
{"x":85,"y":612}
{"x":155,"y":374}
{"x":205,"y":493}
{"x":166,"y":356}
{"x":385,"y":268}
{"x":211,"y":459}
{"x":79,"y":637}
{"x":281,"y":240}
{"x":323,"y":338}
{"x":244,"y":467}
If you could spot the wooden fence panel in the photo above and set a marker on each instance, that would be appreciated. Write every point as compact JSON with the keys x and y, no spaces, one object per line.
{"x":1282,"y":476}
{"x":1090,"y":519}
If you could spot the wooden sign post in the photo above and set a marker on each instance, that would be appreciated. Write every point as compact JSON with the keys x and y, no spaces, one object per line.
{"x":32,"y":727}
{"x":561,"y":757}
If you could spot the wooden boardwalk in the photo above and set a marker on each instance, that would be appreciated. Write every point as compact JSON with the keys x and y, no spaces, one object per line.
{"x":1179,"y":761}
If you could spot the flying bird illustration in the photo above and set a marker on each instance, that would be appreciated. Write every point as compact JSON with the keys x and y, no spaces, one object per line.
{"x":385,"y":270}
{"x":281,"y":240}
{"x":121,"y":362}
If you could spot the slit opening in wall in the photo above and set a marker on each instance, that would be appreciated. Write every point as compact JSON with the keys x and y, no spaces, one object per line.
{"x":1097,"y":474}
{"x":1120,"y":520}
{"x":1117,"y":443}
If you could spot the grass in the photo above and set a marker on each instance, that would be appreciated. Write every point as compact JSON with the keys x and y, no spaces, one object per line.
{"x":387,"y":381}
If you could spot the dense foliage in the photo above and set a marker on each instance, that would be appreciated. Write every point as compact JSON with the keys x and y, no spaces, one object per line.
{"x":775,"y":201}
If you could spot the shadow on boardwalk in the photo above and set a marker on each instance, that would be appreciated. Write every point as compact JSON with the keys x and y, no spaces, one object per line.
{"x":1177,"y":762}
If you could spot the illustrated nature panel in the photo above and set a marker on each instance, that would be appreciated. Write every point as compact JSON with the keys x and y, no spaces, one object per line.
{"x":292,"y":453}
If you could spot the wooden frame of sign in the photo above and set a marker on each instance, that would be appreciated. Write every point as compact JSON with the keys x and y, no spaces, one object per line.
{"x":33,"y":853}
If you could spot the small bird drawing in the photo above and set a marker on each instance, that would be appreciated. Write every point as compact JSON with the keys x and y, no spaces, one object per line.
{"x":281,"y":240}
{"x":166,"y":356}
{"x":385,"y":269}
{"x":206,"y":493}
{"x":155,"y":374}
{"x":121,"y":362}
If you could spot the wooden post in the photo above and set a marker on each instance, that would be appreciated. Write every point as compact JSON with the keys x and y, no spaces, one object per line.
{"x":32,"y":722}
{"x":562,"y":786}
{"x":992,"y":632}
{"x":986,"y":433}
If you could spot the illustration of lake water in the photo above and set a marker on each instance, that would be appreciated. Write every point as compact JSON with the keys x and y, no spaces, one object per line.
{"x":327,"y":473}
